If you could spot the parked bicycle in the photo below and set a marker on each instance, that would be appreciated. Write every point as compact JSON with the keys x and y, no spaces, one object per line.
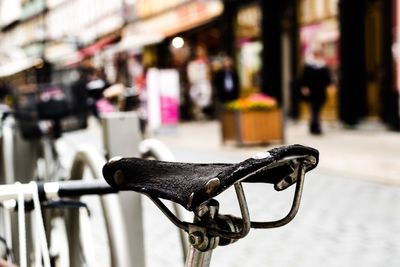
{"x":51,"y":196}
{"x":28,"y":138}
{"x":64,"y":227}
{"x":33,"y":197}
{"x":194,"y":186}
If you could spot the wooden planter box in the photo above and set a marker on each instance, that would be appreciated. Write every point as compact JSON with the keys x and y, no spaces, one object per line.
{"x":252,"y":127}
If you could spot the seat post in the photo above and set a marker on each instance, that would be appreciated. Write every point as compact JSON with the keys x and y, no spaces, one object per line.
{"x":202,"y":245}
{"x":197,"y":258}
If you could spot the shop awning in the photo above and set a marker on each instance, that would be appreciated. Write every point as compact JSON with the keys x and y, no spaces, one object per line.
{"x":13,"y":67}
{"x":139,"y":34}
{"x":59,"y":53}
{"x":71,"y":60}
{"x":97,"y":46}
{"x":181,"y":19}
{"x":134,"y":42}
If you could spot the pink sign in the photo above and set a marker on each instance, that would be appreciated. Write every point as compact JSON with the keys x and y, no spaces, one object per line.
{"x":169,"y":96}
{"x":169,"y":110}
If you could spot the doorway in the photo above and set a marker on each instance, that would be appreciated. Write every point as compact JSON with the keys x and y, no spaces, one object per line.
{"x":373,"y":56}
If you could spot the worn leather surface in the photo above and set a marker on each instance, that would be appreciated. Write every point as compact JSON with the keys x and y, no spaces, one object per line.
{"x":189,"y":184}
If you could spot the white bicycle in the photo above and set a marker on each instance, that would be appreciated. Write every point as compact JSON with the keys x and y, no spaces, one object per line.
{"x":67,"y":226}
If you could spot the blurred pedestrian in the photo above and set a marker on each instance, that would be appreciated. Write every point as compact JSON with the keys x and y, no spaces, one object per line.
{"x":226,"y":81}
{"x":96,"y":84}
{"x":200,"y":91}
{"x":315,"y":80}
{"x":80,"y":96}
{"x":4,"y":91}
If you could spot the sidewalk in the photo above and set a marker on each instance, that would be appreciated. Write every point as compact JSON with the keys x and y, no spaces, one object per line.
{"x":370,"y":153}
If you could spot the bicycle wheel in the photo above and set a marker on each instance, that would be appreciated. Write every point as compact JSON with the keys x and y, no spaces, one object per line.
{"x":86,"y":231}
{"x":105,"y":225}
{"x":75,"y":238}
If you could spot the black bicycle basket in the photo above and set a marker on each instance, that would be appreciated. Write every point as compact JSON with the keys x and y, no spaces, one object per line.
{"x":52,"y":102}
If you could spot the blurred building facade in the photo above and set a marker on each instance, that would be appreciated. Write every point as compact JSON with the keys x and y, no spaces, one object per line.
{"x":268,"y":39}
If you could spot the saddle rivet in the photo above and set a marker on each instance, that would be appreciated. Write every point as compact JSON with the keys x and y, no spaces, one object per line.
{"x":119,"y":177}
{"x":212,"y":186}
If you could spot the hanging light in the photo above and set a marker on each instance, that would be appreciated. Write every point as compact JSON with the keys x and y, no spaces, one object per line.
{"x":178,"y":42}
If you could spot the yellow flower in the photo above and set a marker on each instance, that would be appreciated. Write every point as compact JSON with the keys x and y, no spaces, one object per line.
{"x":256,"y":101}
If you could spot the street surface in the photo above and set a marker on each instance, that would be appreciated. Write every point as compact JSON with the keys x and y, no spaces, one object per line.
{"x":350,"y":211}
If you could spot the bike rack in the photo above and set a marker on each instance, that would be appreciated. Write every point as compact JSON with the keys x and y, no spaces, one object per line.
{"x":127,"y":142}
{"x":121,"y":137}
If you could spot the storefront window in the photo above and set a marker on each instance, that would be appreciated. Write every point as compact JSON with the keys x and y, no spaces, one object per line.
{"x":249,"y":47}
{"x":319,"y":27}
{"x":250,"y":65}
{"x":315,"y":10}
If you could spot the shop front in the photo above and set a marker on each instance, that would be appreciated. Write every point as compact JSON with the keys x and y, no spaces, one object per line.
{"x":396,"y":42}
{"x":395,"y":106}
{"x":319,"y":29}
{"x":190,"y":36}
{"x":78,"y":39}
{"x":22,"y":51}
{"x":366,"y":80}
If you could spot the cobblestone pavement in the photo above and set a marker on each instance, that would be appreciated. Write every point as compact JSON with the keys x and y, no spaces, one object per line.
{"x":341,"y":222}
{"x":348,"y":217}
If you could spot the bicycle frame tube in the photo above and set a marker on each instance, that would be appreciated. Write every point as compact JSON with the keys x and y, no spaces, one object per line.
{"x":8,"y":153}
{"x":49,"y":158}
{"x":6,"y":139}
{"x":201,"y":256}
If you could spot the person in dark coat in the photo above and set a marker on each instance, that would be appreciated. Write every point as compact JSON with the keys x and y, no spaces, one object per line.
{"x":226,"y":82}
{"x":315,"y":80}
{"x":80,"y":97}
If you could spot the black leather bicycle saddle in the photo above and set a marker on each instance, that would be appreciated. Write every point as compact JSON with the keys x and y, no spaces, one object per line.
{"x":191,"y":184}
